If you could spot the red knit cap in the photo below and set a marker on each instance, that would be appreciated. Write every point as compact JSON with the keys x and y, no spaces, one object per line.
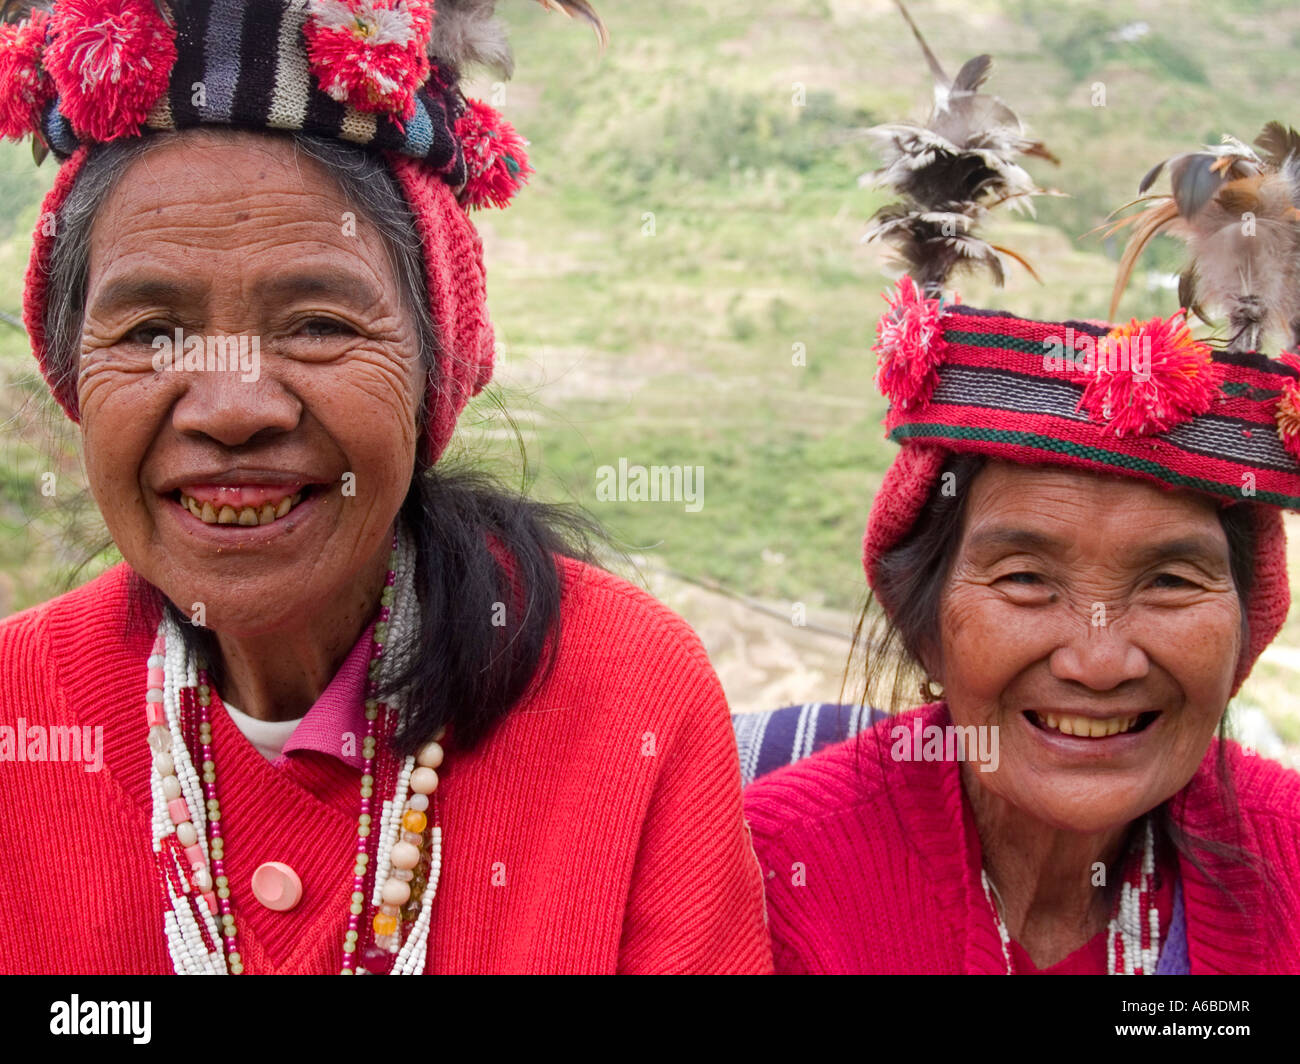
{"x":382,"y":76}
{"x":453,"y":263}
{"x":963,"y":380}
{"x":453,"y":266}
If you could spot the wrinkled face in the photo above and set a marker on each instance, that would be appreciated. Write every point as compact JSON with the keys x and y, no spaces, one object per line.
{"x":266,"y":489}
{"x":1095,"y":622}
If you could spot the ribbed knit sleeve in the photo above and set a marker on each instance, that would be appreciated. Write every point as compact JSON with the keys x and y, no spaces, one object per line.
{"x":823,"y":881}
{"x":62,"y":813}
{"x":1243,"y":915}
{"x":696,"y":900}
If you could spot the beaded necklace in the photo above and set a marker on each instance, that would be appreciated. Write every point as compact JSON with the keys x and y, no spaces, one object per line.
{"x":400,"y":860}
{"x":1132,"y":943}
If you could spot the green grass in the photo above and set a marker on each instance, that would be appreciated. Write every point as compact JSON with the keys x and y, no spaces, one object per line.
{"x":676,"y":347}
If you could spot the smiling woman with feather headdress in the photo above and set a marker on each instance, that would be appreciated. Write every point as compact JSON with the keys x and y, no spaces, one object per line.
{"x":1077,"y":558}
{"x":341,"y":708}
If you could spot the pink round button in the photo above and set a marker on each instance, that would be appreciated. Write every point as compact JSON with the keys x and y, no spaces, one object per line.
{"x":277,"y":886}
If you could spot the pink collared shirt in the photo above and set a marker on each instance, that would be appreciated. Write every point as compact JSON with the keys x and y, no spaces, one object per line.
{"x":335,"y":724}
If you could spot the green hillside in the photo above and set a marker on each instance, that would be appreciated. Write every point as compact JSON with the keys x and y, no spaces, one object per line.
{"x":694,"y":225}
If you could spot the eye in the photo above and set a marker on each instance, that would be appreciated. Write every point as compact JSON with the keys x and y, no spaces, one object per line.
{"x":146,"y":332}
{"x":324,"y":328}
{"x":1024,"y":578}
{"x":1026,"y":587}
{"x":1170,"y":581}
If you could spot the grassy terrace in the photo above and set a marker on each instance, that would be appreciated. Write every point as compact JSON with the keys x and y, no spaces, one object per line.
{"x":730,"y":130}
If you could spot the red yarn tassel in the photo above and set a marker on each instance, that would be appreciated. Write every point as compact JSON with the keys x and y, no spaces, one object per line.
{"x":496,"y":163}
{"x":25,"y":87}
{"x":1148,"y":377}
{"x":111,"y":61}
{"x":1288,"y":408}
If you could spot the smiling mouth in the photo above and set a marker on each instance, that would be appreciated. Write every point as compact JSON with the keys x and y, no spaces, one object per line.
{"x":246,"y":507}
{"x":1090,"y":727}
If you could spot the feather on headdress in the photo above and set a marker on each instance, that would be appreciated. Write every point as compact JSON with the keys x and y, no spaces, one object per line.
{"x":1238,"y":210}
{"x":467,"y":33}
{"x":949,"y":172}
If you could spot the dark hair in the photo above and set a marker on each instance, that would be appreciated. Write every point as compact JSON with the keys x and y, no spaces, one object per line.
{"x":890,"y":648}
{"x":911,"y":578}
{"x":483,"y":554}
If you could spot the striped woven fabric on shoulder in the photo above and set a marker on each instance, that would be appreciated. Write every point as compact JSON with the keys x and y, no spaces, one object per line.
{"x":1010,"y":387}
{"x":777,"y":737}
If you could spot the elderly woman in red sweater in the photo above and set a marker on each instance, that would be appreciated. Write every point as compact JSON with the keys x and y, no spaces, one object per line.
{"x":340,"y":710}
{"x":1081,"y":544}
{"x":1088,"y":566}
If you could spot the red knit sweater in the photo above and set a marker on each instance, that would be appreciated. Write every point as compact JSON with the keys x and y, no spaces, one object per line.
{"x":598,"y":830}
{"x":890,"y":863}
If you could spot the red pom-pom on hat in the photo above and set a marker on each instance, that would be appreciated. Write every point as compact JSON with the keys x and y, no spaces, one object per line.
{"x":1288,"y":408}
{"x":110,"y":60}
{"x":370,"y":54}
{"x":496,"y":164}
{"x":909,"y":345}
{"x":1148,"y":377}
{"x":25,"y":87}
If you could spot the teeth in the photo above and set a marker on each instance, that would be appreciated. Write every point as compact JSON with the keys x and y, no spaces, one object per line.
{"x":247,"y":516}
{"x":1086,"y":727}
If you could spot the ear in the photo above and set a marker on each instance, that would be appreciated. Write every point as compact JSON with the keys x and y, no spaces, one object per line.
{"x":929,"y":658}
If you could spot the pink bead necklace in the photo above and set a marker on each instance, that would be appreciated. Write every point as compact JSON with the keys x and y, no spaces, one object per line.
{"x":398,"y":858}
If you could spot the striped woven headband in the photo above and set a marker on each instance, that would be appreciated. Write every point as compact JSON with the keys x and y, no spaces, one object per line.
{"x":90,"y":71}
{"x":1143,"y":400}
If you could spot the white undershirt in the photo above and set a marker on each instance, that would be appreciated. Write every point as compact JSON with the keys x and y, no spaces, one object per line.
{"x":267,"y":736}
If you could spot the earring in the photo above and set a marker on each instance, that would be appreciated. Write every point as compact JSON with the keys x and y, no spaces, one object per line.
{"x":930,"y":691}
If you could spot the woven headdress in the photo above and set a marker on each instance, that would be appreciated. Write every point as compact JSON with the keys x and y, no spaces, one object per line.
{"x":1143,"y":400}
{"x":380,"y":74}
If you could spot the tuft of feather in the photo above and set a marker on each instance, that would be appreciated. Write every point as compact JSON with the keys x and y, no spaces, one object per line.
{"x":1238,"y":211}
{"x":467,"y":33}
{"x":949,"y":173}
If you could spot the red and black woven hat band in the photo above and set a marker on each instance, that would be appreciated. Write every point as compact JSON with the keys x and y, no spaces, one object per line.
{"x":244,"y":65}
{"x":1143,"y":400}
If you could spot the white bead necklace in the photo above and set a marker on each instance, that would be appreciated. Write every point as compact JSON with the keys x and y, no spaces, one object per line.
{"x":1126,"y":953}
{"x":186,"y":838}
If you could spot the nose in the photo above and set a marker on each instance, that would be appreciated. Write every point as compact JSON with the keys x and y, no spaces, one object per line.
{"x":1100,"y":658}
{"x":222,"y":406}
